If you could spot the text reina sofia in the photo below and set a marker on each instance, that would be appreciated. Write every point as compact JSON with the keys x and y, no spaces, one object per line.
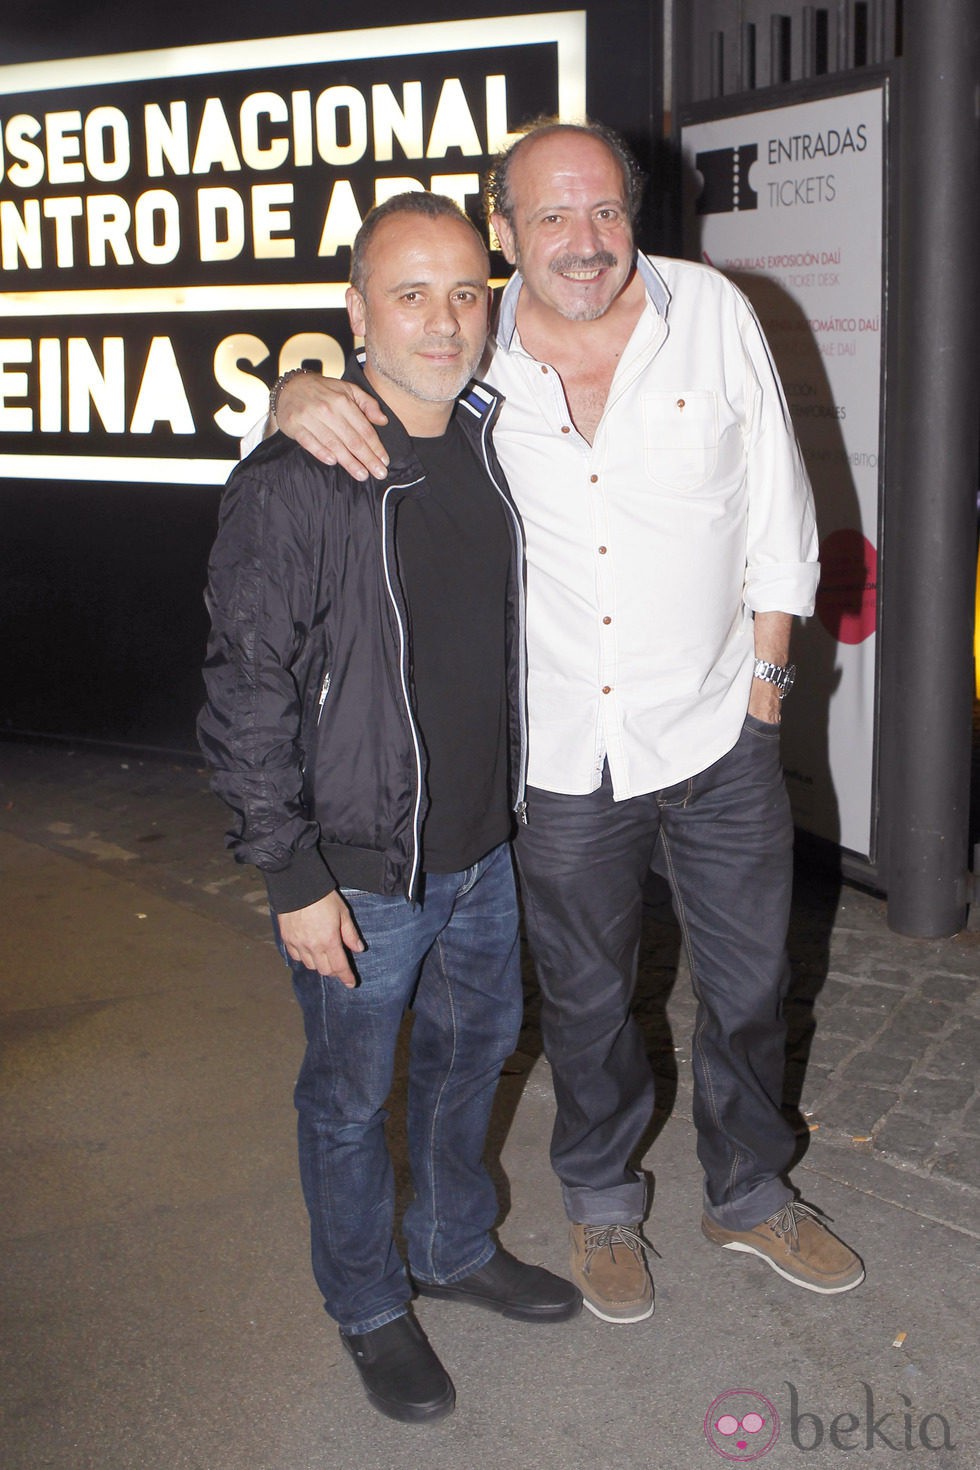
{"x":340,"y":127}
{"x":69,"y":244}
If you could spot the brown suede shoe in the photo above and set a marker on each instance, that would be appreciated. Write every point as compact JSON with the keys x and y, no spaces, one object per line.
{"x":798,"y":1245}
{"x":609,"y":1268}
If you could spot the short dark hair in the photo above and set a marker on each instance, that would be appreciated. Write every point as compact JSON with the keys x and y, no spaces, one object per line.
{"x":413,"y":201}
{"x":496,"y":190}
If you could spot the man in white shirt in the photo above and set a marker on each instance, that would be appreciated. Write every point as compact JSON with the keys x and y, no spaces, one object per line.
{"x":670,"y":541}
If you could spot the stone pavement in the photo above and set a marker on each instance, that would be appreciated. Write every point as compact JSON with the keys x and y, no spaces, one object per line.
{"x":884,"y":1030}
{"x":159,"y":1311}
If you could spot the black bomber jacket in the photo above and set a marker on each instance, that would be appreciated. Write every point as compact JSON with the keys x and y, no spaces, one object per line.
{"x":309,"y":724}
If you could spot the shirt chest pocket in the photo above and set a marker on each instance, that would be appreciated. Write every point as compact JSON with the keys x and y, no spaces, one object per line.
{"x":680,"y":438}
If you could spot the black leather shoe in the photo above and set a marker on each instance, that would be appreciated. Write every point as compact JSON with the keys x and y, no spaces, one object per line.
{"x":401,"y":1373}
{"x":513,"y":1288}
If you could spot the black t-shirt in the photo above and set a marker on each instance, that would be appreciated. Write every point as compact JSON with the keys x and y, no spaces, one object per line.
{"x":454,"y":549}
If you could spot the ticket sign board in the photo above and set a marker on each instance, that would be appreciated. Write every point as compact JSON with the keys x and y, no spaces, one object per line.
{"x":789,"y":201}
{"x":174,"y":224}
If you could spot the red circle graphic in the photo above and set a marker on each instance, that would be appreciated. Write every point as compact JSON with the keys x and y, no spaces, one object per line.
{"x":847,"y":598}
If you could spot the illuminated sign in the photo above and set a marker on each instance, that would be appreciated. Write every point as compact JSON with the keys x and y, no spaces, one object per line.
{"x":174,"y":223}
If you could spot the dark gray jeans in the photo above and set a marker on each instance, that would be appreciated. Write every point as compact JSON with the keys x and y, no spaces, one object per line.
{"x":724,"y":838}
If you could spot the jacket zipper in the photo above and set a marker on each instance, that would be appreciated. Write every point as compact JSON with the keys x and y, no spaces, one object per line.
{"x":324,"y":688}
{"x":402,"y":673}
{"x":520,"y":808}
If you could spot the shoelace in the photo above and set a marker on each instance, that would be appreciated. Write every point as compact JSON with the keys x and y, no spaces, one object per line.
{"x":786,"y":1221}
{"x":607,"y":1237}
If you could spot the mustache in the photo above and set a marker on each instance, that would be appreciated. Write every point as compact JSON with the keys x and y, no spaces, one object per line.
{"x":602,"y":259}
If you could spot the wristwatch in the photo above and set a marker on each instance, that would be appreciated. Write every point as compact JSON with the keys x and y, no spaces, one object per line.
{"x":779,"y":675}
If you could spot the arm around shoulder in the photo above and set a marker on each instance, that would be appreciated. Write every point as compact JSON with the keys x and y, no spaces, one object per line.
{"x":334,"y":420}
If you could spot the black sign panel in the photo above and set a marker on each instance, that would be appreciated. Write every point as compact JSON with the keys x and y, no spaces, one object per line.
{"x":175,"y":225}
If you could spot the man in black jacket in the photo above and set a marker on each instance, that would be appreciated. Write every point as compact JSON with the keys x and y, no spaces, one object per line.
{"x":365,"y":723}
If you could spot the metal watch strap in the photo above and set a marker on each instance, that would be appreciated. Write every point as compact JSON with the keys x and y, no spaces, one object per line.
{"x":780,"y":676}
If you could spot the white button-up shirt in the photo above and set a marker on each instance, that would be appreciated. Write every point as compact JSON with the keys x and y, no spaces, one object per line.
{"x":649,"y":549}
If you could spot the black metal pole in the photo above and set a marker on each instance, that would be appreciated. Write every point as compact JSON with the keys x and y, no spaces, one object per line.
{"x":930,"y":502}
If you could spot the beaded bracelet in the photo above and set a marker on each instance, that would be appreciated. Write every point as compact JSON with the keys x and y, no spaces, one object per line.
{"x":279,"y":384}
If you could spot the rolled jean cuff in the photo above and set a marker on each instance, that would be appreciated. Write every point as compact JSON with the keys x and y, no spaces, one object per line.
{"x":750,"y":1209}
{"x":624,"y":1204}
{"x":371,"y":1324}
{"x":487,"y":1254}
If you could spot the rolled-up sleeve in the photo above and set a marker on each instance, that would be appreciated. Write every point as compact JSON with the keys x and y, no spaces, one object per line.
{"x":782,"y":569}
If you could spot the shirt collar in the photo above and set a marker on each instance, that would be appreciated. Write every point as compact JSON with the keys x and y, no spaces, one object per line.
{"x":654,"y":284}
{"x":476,"y":401}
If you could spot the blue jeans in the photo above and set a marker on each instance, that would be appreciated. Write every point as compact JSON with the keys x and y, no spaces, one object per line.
{"x":454,"y":958}
{"x":724,"y":839}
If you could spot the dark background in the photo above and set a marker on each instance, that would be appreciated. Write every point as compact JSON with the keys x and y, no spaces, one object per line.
{"x":102,"y":622}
